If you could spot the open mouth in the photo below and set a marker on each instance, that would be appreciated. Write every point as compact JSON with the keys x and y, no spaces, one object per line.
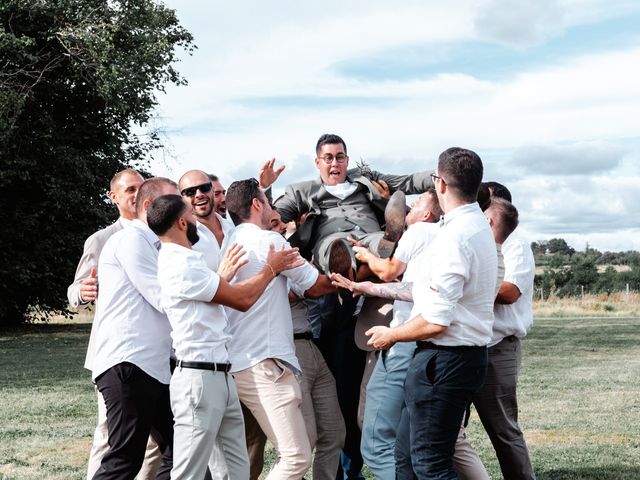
{"x":202,"y":203}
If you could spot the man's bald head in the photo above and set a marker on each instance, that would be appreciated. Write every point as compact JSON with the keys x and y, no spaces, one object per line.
{"x":196,"y":189}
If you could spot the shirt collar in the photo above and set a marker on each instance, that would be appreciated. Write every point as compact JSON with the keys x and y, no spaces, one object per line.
{"x":458,"y":212}
{"x":124,"y":222}
{"x":147,"y":233}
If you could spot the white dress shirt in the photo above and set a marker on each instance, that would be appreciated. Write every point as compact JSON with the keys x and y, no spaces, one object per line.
{"x":199,"y":327}
{"x":93,"y":245}
{"x":520,"y":269}
{"x":130,"y":324}
{"x":265,"y":330}
{"x":458,"y":287}
{"x":409,"y":250}
{"x":299,"y":312}
{"x":92,"y":248}
{"x":208,"y":244}
{"x":341,"y":190}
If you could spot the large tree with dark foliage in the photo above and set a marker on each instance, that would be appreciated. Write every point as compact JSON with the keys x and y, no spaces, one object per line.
{"x":76,"y":79}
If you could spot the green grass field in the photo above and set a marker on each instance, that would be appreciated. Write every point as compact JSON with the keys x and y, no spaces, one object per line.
{"x":579,"y":399}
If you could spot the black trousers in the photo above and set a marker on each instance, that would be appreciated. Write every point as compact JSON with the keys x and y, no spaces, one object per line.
{"x":346,"y":361}
{"x":439,"y":385}
{"x":137,"y":405}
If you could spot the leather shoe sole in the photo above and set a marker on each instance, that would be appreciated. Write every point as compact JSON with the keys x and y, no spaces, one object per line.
{"x":340,"y":262}
{"x":394,"y":218}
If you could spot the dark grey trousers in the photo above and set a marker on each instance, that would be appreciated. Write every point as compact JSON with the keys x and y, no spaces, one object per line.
{"x":497,"y":407}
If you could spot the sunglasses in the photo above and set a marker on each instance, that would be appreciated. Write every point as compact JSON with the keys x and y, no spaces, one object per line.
{"x":191,"y":191}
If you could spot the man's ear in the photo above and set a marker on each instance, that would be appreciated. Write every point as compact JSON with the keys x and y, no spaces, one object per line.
{"x":112,"y":196}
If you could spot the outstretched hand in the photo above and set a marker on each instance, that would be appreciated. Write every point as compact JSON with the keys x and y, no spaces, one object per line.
{"x":340,"y":281}
{"x":267,"y":175}
{"x":231,"y":262}
{"x":282,"y":260}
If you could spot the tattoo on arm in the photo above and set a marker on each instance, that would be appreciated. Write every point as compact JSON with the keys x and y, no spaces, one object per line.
{"x":394,"y":291}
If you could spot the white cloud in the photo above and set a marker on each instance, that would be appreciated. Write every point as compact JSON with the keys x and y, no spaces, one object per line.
{"x":521,"y":22}
{"x":263,"y":83}
{"x":582,"y":158}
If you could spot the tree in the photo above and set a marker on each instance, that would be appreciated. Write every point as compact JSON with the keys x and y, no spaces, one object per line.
{"x":560,"y":245}
{"x":76,"y":78}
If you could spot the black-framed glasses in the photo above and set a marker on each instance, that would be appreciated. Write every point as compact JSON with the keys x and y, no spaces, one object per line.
{"x":340,"y":158}
{"x":434,"y":176}
{"x":191,"y":191}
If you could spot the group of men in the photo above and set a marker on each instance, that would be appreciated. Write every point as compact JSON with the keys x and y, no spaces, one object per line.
{"x":213,"y":332}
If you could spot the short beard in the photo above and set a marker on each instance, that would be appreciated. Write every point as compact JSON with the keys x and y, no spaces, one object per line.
{"x":192,"y":233}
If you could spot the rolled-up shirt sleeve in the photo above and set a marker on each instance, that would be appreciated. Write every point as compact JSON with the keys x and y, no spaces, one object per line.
{"x":439,"y":295}
{"x":201,"y":284}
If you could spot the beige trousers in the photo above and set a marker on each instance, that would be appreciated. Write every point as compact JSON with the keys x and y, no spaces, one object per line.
{"x":272,"y":393}
{"x":152,"y":456}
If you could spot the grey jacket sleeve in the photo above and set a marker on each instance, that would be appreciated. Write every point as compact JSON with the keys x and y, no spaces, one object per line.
{"x":89,"y":259}
{"x":294,"y":202}
{"x":410,"y":184}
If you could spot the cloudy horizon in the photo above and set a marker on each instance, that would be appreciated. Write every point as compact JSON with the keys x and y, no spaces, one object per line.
{"x":547,"y":93}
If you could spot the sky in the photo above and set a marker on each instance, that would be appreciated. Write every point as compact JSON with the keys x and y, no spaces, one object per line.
{"x":546,"y":92}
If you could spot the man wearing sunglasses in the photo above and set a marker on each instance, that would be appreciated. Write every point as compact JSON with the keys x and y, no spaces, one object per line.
{"x":197,"y":189}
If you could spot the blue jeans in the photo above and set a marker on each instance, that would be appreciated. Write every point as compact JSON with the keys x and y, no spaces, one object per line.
{"x":439,"y":386}
{"x":385,"y":397}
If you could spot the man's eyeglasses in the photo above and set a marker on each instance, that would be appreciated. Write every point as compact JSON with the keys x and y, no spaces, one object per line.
{"x":191,"y":191}
{"x":434,"y":176}
{"x":328,"y":159}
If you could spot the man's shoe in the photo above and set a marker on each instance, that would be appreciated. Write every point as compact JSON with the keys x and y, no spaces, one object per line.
{"x":394,"y":218}
{"x":340,"y":262}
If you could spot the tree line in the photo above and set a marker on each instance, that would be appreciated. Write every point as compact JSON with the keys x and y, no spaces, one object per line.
{"x":567,"y":272}
{"x":77,"y":81}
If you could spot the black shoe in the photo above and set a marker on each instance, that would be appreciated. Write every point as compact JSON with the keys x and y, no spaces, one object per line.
{"x":394,"y":217}
{"x":340,"y":262}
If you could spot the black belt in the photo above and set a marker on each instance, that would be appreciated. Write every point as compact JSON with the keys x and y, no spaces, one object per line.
{"x":433,"y":346}
{"x":303,"y":336}
{"x":216,"y":367}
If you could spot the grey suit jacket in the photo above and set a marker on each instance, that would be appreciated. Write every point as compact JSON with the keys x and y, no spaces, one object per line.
{"x":92,"y":248}
{"x":302,"y":197}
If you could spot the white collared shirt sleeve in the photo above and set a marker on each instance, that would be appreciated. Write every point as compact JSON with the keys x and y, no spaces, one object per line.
{"x":301,"y":278}
{"x":449,"y":270}
{"x":519,"y":267}
{"x":140,"y":265}
{"x":197,"y":282}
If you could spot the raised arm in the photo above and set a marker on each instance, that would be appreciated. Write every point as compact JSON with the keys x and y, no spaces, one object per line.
{"x":392,"y":291}
{"x":243,"y":295}
{"x":410,"y":184}
{"x":386,"y":269}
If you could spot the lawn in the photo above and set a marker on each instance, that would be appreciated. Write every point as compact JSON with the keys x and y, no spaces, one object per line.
{"x":579,"y":399}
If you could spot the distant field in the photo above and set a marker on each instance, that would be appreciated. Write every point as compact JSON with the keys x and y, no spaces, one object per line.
{"x":601,"y":268}
{"x":579,"y":397}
